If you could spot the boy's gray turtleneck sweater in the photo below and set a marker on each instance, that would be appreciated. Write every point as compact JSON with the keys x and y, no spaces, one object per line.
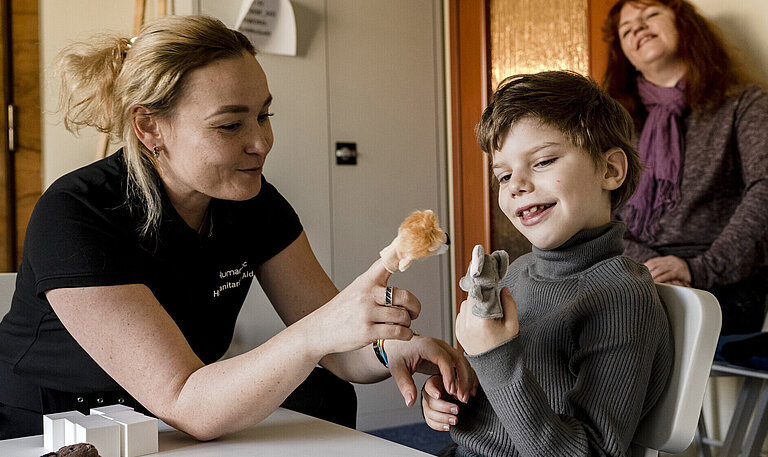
{"x":593,"y":355}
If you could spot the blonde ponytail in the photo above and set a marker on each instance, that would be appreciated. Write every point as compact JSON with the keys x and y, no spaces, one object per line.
{"x":87,"y":73}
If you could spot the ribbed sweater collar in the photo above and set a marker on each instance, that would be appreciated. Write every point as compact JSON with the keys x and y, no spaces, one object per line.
{"x":581,"y":252}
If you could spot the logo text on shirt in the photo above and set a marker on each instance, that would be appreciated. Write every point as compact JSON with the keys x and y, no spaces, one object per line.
{"x":232,"y":278}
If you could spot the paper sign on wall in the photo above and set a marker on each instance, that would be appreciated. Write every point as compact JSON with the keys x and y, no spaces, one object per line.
{"x":270,"y":25}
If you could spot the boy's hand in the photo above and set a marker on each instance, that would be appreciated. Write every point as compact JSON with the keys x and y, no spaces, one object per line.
{"x":439,"y":408}
{"x":479,"y":335}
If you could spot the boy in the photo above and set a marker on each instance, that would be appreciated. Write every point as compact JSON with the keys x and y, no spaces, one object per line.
{"x":584,"y":348}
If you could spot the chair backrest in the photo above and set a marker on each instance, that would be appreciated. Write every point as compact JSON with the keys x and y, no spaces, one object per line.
{"x":7,"y":286}
{"x":695,"y":322}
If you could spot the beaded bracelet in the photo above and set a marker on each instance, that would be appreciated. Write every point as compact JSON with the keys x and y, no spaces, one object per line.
{"x":381,"y":354}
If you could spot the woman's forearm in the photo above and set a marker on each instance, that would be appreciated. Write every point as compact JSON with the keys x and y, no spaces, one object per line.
{"x":235,"y":393}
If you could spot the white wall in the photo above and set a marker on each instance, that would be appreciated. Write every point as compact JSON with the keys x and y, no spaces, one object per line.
{"x":744,"y":24}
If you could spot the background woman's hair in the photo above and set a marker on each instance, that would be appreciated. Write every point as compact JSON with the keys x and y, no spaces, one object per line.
{"x":103,"y":78}
{"x":714,"y":68}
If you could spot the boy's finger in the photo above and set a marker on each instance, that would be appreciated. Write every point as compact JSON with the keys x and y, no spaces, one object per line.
{"x":510,"y":311}
{"x":509,"y":303}
{"x":435,"y":425}
{"x":434,"y":387}
{"x":439,"y":421}
{"x":432,"y":392}
{"x":460,"y":313}
{"x":440,"y":406}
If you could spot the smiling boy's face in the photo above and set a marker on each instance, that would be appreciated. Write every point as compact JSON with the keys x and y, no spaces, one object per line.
{"x":549,"y":188}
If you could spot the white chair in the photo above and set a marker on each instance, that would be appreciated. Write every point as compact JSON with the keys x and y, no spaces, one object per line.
{"x":7,"y":286}
{"x":695,"y":322}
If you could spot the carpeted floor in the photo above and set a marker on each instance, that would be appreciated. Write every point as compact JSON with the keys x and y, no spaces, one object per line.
{"x":418,"y":436}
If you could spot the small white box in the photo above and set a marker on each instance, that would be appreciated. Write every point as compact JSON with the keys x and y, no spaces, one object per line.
{"x":110,"y":409}
{"x":97,"y":430}
{"x":54,"y":429}
{"x":138,"y":433}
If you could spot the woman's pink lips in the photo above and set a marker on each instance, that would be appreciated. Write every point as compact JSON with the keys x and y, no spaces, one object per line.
{"x":535,"y":218}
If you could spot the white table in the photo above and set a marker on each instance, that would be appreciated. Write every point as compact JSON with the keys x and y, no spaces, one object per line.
{"x":283,"y":433}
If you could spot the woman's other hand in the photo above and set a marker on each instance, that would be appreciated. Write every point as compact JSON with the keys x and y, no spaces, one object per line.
{"x":478,"y":335}
{"x":439,"y":408}
{"x":430,"y":356}
{"x":669,"y":269}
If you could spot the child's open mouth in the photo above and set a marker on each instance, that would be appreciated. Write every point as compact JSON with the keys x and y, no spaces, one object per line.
{"x":531,"y":214}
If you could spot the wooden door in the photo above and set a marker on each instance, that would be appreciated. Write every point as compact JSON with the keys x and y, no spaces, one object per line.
{"x":20,"y":178}
{"x":6,"y":214}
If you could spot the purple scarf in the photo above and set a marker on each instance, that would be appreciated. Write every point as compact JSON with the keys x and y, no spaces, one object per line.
{"x":661,"y":151}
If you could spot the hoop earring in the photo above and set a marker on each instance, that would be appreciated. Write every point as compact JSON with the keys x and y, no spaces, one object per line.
{"x":156,"y":151}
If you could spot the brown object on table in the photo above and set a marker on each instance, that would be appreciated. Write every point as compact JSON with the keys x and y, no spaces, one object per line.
{"x":75,"y":450}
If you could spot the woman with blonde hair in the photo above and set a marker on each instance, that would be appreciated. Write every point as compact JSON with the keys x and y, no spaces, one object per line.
{"x":135,"y":267}
{"x":698,"y":217}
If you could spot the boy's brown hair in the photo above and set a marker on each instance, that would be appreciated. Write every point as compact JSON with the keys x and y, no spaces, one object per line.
{"x":576,"y":106}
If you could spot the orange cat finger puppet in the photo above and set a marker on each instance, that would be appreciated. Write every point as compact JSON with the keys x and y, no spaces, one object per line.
{"x":419,"y":236}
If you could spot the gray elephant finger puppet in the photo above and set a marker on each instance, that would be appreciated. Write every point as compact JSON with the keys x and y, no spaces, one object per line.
{"x":482,"y":282}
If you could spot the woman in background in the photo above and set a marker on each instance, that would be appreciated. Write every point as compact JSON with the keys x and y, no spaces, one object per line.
{"x":699,"y":216}
{"x":135,"y":267}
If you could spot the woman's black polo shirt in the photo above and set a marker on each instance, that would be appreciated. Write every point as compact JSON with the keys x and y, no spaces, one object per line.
{"x":82,"y":233}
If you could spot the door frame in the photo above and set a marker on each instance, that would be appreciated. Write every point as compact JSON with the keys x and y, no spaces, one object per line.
{"x":469,"y":88}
